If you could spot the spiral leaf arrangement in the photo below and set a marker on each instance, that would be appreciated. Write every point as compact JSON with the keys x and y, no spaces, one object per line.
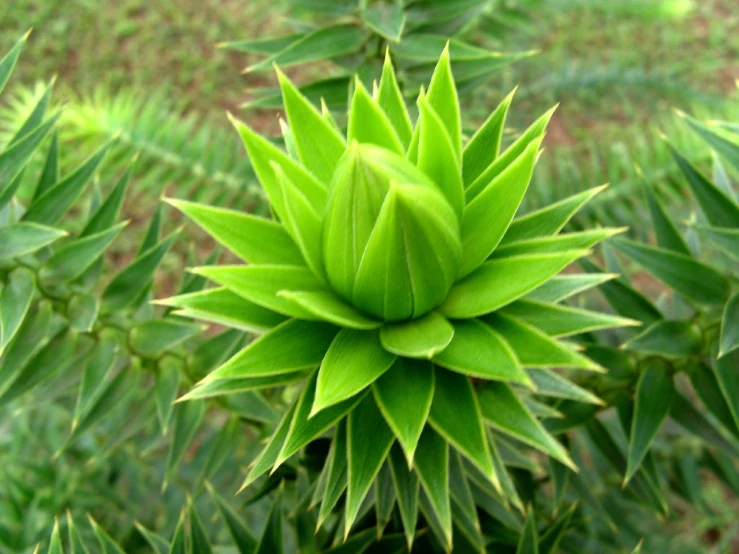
{"x":396,"y":285}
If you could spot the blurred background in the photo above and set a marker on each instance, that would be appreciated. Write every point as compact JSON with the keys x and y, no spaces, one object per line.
{"x":154,"y":69}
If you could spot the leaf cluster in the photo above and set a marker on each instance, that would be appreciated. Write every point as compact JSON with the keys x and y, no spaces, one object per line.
{"x":501,"y":415}
{"x":353,"y":35}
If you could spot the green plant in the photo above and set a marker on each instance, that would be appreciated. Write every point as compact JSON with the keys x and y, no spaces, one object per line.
{"x":396,"y":266}
{"x":81,"y":350}
{"x":89,"y":423}
{"x":174,"y":149}
{"x":354,"y":35}
{"x":672,"y":382}
{"x":627,"y":159}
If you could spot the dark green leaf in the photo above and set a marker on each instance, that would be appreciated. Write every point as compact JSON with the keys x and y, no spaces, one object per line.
{"x":686,"y":415}
{"x":53,"y":358}
{"x":406,"y":488}
{"x":529,"y":542}
{"x":32,"y":336}
{"x":305,"y":428}
{"x":106,"y":542}
{"x":404,"y":395}
{"x":107,"y":214}
{"x":386,"y":19}
{"x":560,"y":480}
{"x":729,"y":327}
{"x":242,"y":537}
{"x":668,"y":236}
{"x":384,"y":497}
{"x":187,"y":419}
{"x":50,"y":174}
{"x":212,"y":352}
{"x":127,"y":286}
{"x":19,"y":239}
{"x":724,"y":238}
{"x":75,"y":257}
{"x":166,"y":385}
{"x":75,"y":541}
{"x":627,"y":301}
{"x":15,"y":301}
{"x":199,"y":543}
{"x":687,"y":276}
{"x":153,"y":338}
{"x":153,"y":231}
{"x":503,"y":410}
{"x":432,"y":466}
{"x":269,"y":454}
{"x":719,"y":209}
{"x":271,"y":541}
{"x":94,"y":377}
{"x":668,"y":338}
{"x":655,"y":393}
{"x":561,"y":287}
{"x":337,"y":473}
{"x":549,"y":383}
{"x":368,"y":442}
{"x":54,"y":203}
{"x":604,"y":442}
{"x":8,"y":61}
{"x":82,"y":311}
{"x":14,"y":158}
{"x":726,"y":375}
{"x":324,"y":44}
{"x":549,"y":541}
{"x":157,"y":543}
{"x":706,"y":384}
{"x":455,"y":415}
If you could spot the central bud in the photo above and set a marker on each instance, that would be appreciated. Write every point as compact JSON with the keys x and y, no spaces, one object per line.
{"x":390,"y":238}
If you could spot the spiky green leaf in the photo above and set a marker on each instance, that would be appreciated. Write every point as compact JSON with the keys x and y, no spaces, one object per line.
{"x":353,"y":362}
{"x":479,"y":351}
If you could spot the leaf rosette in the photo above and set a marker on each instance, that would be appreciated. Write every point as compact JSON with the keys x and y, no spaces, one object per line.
{"x":397,"y":285}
